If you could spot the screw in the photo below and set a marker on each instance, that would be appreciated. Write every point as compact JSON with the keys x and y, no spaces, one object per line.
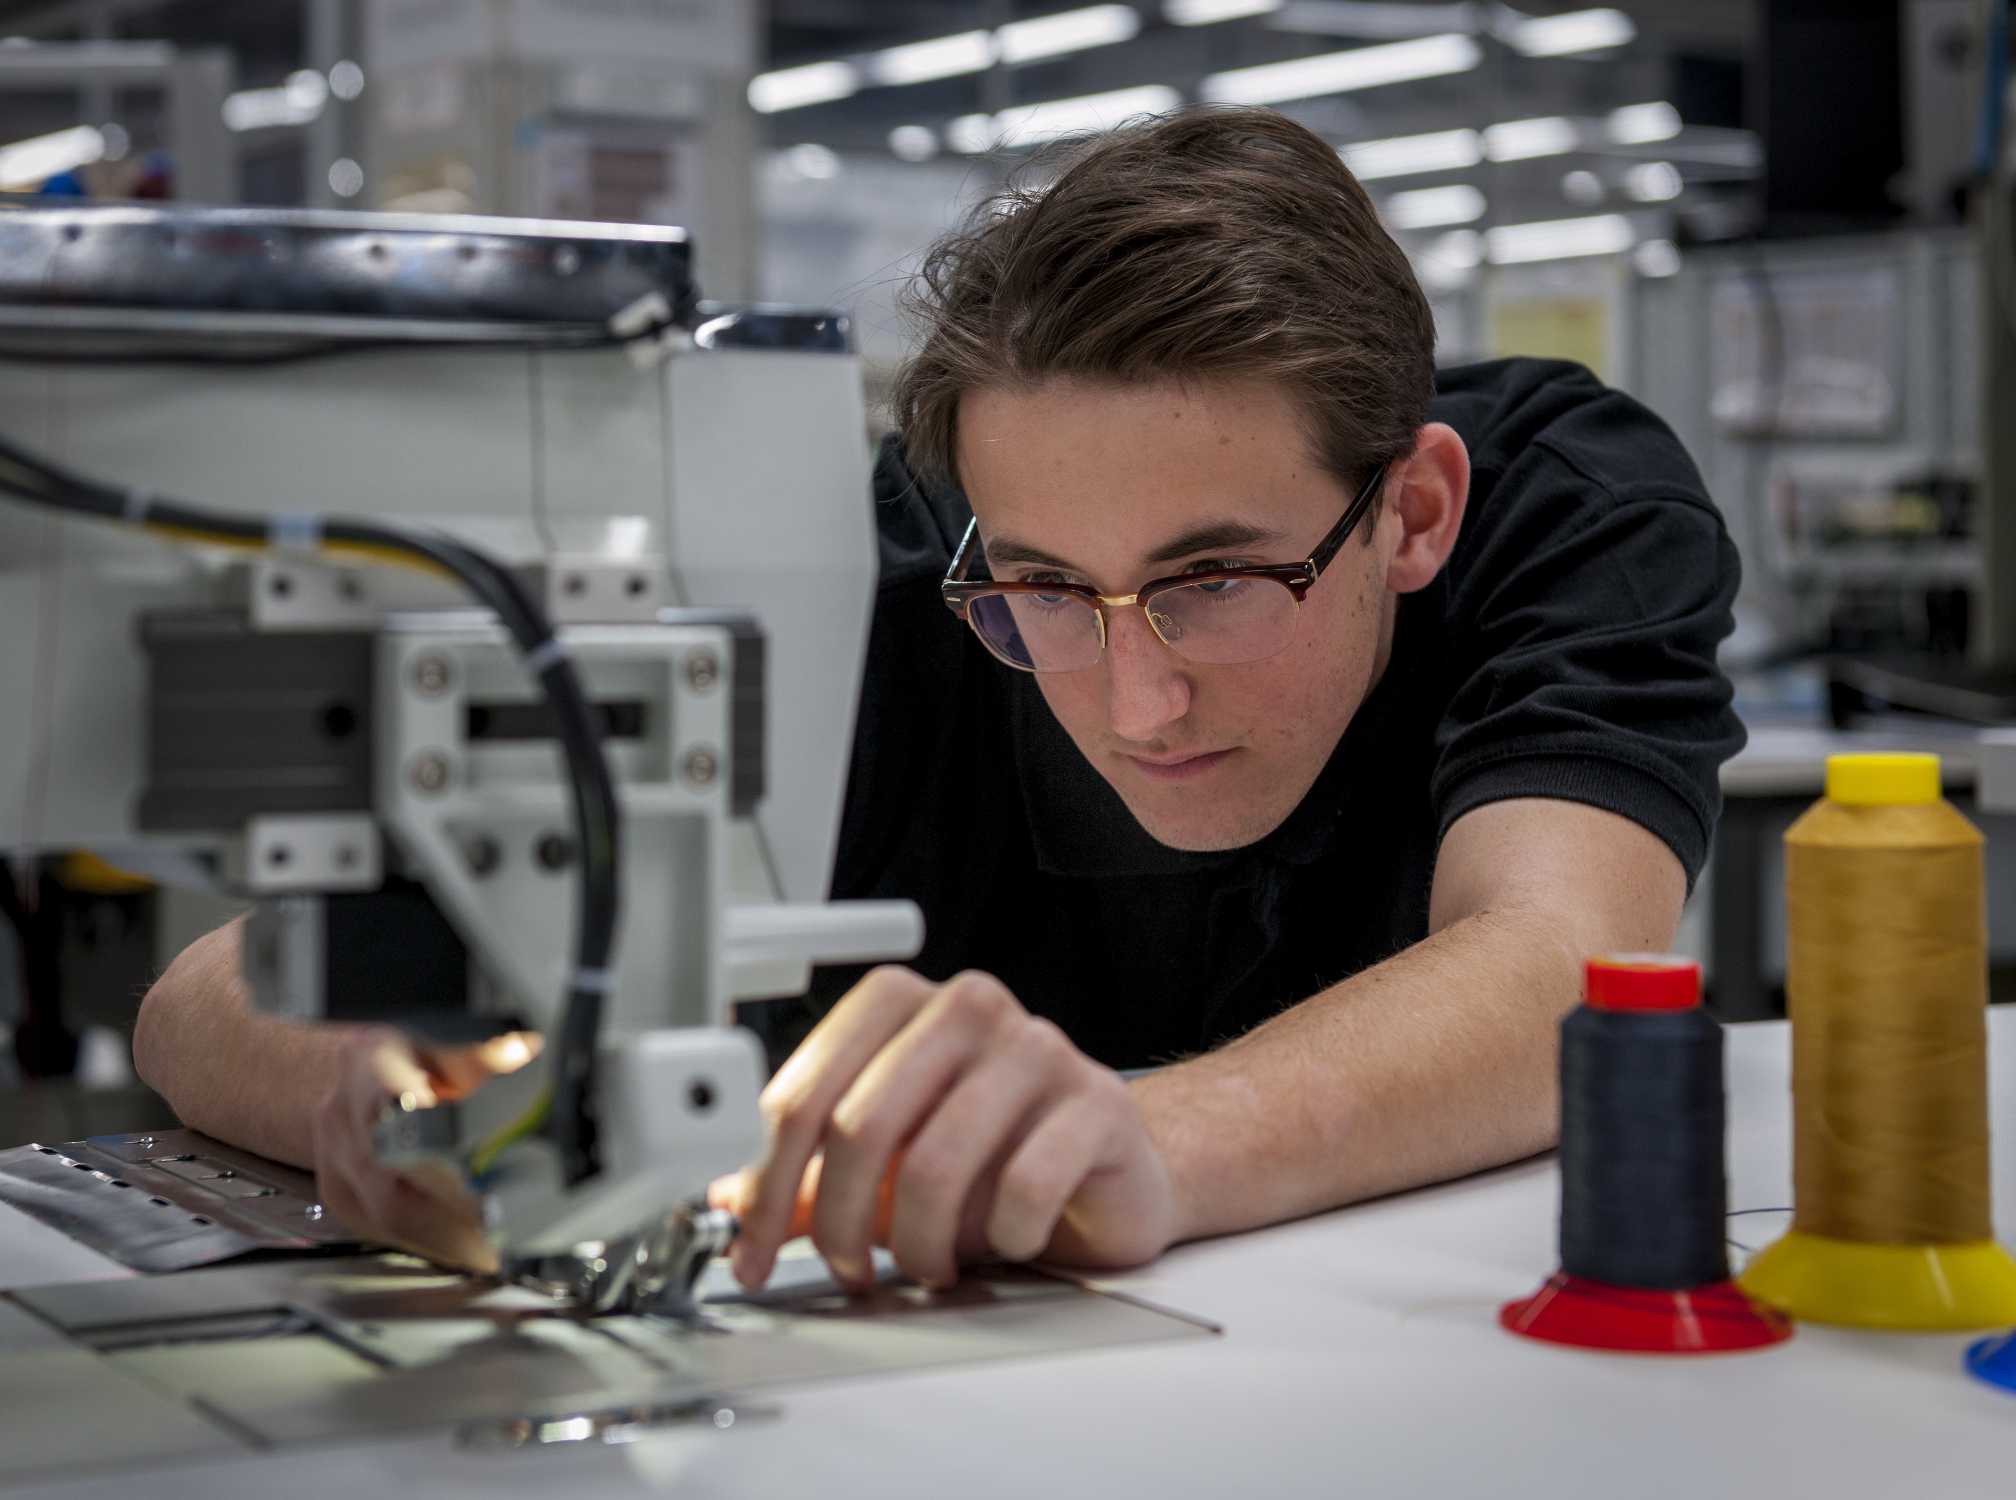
{"x":483,"y":854}
{"x":430,"y":771}
{"x":702,"y":671}
{"x":700,"y":1094}
{"x":280,"y":586}
{"x":574,"y":585}
{"x":635,"y":585}
{"x":346,"y":856}
{"x":312,"y":1211}
{"x":278,"y":855}
{"x":349,"y":587}
{"x":431,"y":675}
{"x":700,"y":766}
{"x":553,"y":851}
{"x":566,"y":260}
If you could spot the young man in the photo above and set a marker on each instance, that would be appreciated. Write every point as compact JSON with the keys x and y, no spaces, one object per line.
{"x":1313,"y":723}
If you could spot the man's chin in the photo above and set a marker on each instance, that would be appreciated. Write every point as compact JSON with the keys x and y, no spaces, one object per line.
{"x":1205,"y":829}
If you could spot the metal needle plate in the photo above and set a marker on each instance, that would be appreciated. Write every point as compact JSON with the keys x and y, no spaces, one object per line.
{"x":316,"y":1350}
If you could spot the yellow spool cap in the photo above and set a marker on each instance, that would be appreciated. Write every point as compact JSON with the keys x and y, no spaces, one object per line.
{"x":1882,"y":780}
{"x":1901,"y":1288}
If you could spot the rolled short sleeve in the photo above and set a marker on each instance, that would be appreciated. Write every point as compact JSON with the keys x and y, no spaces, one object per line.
{"x":1584,"y":611}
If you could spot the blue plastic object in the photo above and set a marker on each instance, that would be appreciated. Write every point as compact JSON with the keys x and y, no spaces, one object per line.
{"x":1994,"y":1360}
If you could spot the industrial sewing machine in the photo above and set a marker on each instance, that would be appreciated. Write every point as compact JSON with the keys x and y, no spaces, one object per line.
{"x":363,"y":750}
{"x":445,"y":589}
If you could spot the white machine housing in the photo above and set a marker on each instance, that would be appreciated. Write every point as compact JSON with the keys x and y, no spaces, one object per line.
{"x":648,"y":488}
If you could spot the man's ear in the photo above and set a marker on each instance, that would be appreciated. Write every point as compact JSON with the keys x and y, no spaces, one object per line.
{"x":1425,"y":498}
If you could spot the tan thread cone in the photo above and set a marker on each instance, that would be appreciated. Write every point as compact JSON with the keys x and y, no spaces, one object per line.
{"x":1887,"y":972}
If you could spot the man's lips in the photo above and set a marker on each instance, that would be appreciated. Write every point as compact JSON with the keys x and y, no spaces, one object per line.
{"x":1177,"y":768}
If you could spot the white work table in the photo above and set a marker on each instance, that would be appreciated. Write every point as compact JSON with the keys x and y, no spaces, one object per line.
{"x":1361,"y":1356}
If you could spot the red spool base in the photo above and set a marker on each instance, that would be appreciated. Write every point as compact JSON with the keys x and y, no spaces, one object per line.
{"x":1714,"y":1319}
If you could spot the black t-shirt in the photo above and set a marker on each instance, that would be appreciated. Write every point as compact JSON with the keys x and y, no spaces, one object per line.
{"x":1566,"y":650}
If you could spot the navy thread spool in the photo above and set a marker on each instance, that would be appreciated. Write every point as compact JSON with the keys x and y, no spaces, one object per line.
{"x":1643,"y":1191}
{"x":1644,"y":1260}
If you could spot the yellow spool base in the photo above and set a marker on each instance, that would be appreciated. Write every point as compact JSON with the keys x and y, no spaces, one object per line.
{"x":1909,"y":1288}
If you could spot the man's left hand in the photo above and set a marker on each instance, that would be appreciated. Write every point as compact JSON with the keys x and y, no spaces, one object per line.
{"x":998,"y":1137}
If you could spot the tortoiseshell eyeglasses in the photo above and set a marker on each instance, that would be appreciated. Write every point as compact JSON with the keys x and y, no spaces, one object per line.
{"x":1215,"y":617}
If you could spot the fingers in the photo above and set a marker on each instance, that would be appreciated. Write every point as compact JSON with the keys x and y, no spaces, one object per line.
{"x":435,"y":1220}
{"x":945,"y":1123}
{"x":457,"y":1072}
{"x":893,"y":1096}
{"x":428,"y":1212}
{"x":800,"y":1100}
{"x":1043,"y":1175}
{"x":951,"y":1156}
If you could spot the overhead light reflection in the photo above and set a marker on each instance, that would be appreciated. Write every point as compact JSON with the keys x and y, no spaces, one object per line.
{"x":1572,"y":32}
{"x":1345,"y":72}
{"x":1208,"y":12}
{"x":1558,"y":239}
{"x":795,"y":88}
{"x":1068,"y":31}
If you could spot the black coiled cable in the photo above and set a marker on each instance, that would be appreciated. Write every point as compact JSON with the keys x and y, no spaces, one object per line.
{"x":570,"y":1120}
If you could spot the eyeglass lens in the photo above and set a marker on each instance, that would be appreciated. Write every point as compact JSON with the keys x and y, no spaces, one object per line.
{"x":1212,"y":622}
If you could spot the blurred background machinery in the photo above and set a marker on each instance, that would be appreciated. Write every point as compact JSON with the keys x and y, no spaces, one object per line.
{"x":1784,"y":224}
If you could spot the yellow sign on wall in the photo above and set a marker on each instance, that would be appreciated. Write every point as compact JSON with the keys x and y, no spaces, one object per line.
{"x":1557,"y":327}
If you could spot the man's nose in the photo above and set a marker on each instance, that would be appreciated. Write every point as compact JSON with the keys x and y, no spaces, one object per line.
{"x":1147,"y":685}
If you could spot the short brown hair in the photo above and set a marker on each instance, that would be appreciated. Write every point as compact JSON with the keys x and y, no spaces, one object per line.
{"x":1210,"y":242}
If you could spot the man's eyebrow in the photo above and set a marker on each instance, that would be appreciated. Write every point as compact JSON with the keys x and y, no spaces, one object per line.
{"x":1212,"y":536}
{"x":1208,"y":536}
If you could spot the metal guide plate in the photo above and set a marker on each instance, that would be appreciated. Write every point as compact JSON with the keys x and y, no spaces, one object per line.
{"x":314,"y":1350}
{"x":168,"y":1200}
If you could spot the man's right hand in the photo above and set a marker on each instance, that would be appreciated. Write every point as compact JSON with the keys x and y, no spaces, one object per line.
{"x":425,"y":1209}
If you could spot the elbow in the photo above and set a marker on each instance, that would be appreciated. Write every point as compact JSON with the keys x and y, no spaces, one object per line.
{"x":169,"y":1023}
{"x":149,"y":1029}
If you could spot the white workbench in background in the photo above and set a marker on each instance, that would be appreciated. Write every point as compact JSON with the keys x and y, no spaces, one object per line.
{"x":1361,"y":1357}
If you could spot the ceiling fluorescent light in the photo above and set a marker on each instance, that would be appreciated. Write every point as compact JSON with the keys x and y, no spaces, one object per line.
{"x":971,"y":134}
{"x":913,"y":142}
{"x":1653,"y":182}
{"x":1033,"y":124}
{"x":31,"y":162}
{"x":1344,"y":72}
{"x":1462,"y":249}
{"x":1572,"y":32}
{"x":1657,"y":258}
{"x":1523,"y":140}
{"x":1558,"y":239}
{"x":1067,"y":31}
{"x":1206,"y":12}
{"x":1433,"y":208}
{"x":941,"y":57}
{"x":794,"y":88}
{"x":1407,"y":155}
{"x":1641,"y":124}
{"x":813,"y":161}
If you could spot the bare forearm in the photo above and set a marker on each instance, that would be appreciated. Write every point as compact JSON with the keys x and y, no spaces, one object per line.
{"x":1438,"y":1062}
{"x":226,"y":1070}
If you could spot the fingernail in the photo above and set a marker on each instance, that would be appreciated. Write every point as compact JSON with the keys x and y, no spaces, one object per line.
{"x":746,"y":1264}
{"x":849,"y":1272}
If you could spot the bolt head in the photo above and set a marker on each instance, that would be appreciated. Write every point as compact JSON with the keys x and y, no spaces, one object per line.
{"x":432,"y":675}
{"x":430,"y":771}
